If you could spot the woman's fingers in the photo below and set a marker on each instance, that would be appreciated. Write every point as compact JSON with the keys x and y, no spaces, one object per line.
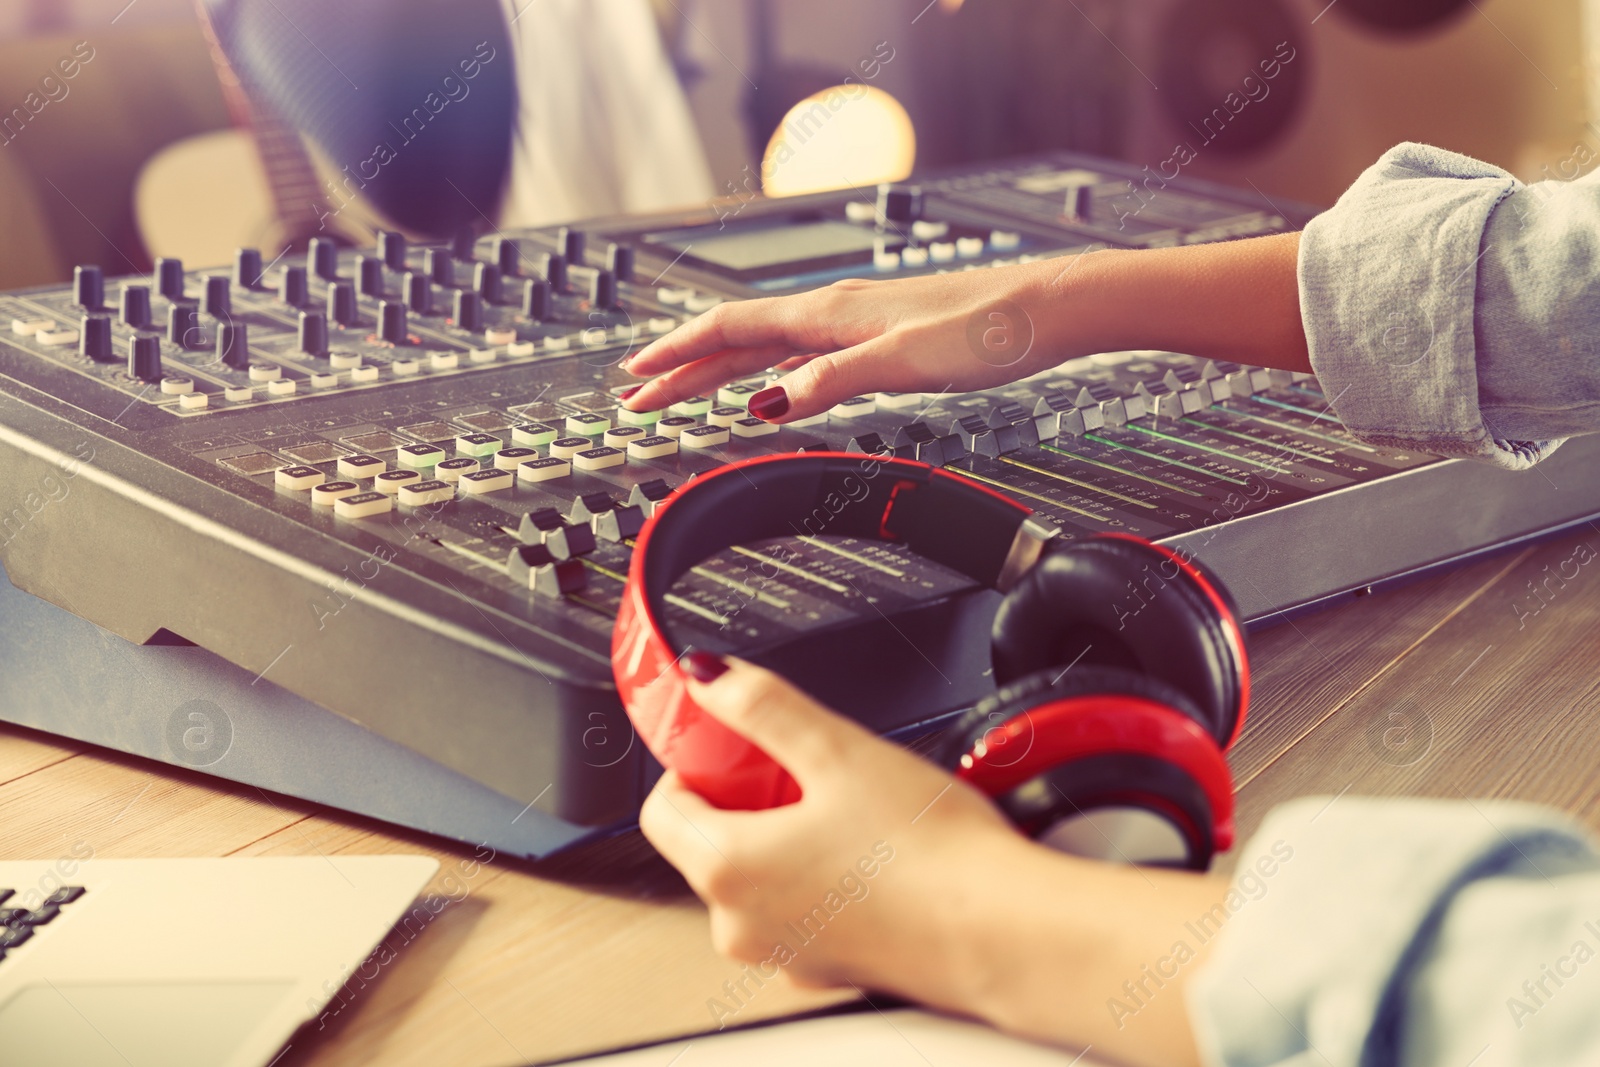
{"x":826,"y":380}
{"x":765,"y":323}
{"x":685,"y":829}
{"x":703,"y":376}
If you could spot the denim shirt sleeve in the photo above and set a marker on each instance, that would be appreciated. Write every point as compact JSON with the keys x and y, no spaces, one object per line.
{"x":1453,"y":310}
{"x":1406,"y":933}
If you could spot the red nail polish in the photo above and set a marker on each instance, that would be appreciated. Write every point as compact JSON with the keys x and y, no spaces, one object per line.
{"x":629,"y":391}
{"x":770,"y":403}
{"x":703,"y":666}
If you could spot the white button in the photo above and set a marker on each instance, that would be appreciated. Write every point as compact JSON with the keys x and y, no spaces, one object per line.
{"x":390,"y":481}
{"x":29,"y":327}
{"x":1005,"y":240}
{"x":753,"y":427}
{"x":419,"y":457}
{"x":55,"y":338}
{"x":363,"y":506}
{"x":265,"y":372}
{"x":498,"y":336}
{"x":444,"y":361}
{"x":701,"y":302}
{"x":886,"y":261}
{"x":281,"y":387}
{"x":638,"y":418}
{"x":405,"y":368}
{"x":544,"y":470}
{"x":942,"y":251}
{"x":624,"y":331}
{"x":596,"y":337}
{"x":480,"y":482}
{"x":928,"y":230}
{"x":343,"y":360}
{"x":967,"y":247}
{"x":451,"y":470}
{"x":704,"y":437}
{"x":298,"y":478}
{"x":521,"y":350}
{"x":478,"y":444}
{"x":675,"y":426}
{"x":652,"y":447}
{"x":177,"y":386}
{"x":320,"y":380}
{"x":364,"y":374}
{"x":673,"y":295}
{"x":661,"y":325}
{"x":855,"y":407}
{"x":588,"y":422}
{"x":736,"y":395}
{"x":557,"y":344}
{"x":432,"y":491}
{"x":1002,"y":263}
{"x":693,"y":407}
{"x":899,"y":401}
{"x":361,"y":466}
{"x":860,"y":211}
{"x":599,"y":459}
{"x":567,"y":447}
{"x":508,"y":459}
{"x":534,"y":434}
{"x":619,"y":436}
{"x":194,"y":401}
{"x":914,"y":257}
{"x":482,"y":355}
{"x":329,"y":493}
{"x":725,"y":416}
{"x":238,"y":395}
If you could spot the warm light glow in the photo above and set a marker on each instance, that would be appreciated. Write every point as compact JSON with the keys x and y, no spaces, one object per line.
{"x":849,"y":135}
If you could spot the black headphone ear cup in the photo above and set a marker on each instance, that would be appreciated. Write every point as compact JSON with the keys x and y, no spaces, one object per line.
{"x":1042,"y":687}
{"x":1121,"y":602}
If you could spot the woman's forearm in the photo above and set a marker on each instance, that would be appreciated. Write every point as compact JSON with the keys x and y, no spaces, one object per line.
{"x":1238,"y":300}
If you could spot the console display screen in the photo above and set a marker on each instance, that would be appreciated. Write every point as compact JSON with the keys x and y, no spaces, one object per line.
{"x":756,"y":249}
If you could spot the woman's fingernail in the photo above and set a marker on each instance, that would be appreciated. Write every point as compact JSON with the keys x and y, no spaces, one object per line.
{"x":770,"y":403}
{"x":629,"y":391}
{"x":703,"y":666}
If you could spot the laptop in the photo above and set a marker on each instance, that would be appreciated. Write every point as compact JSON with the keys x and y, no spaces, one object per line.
{"x":179,"y":962}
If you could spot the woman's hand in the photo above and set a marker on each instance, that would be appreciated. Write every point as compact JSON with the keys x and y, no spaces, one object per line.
{"x":977,"y":329}
{"x":853,"y":883}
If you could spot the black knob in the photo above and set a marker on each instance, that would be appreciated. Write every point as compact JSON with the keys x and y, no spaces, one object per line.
{"x":486,"y":280}
{"x":462,"y":243}
{"x":571,"y":241}
{"x":506,"y":256}
{"x":468,"y":311}
{"x":292,"y":286}
{"x":392,"y":249}
{"x":555,"y":270}
{"x":438,"y":265}
{"x":392,"y":322}
{"x":603,"y":290}
{"x":169,"y":278}
{"x":233,"y":345}
{"x":1080,"y":198}
{"x":88,"y":287}
{"x":536,"y":300}
{"x":94,"y":339}
{"x":246,"y":268}
{"x":323,"y":258}
{"x":619,"y":261}
{"x":144,"y":358}
{"x":135,"y":306}
{"x":369,"y":276}
{"x":899,"y":205}
{"x":217,"y":299}
{"x":418,"y":292}
{"x":183,"y":325}
{"x":313,"y":333}
{"x":342,"y":303}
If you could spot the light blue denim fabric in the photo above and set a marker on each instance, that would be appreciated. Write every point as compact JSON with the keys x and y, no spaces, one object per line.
{"x":1406,"y":933}
{"x":1451,"y":309}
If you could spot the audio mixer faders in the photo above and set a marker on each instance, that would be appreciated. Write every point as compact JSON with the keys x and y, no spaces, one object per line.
{"x":396,"y":483}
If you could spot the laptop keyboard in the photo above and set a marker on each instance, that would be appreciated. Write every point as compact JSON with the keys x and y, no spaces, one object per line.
{"x":18,"y":924}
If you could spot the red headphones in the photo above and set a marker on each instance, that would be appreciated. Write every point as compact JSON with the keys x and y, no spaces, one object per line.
{"x":1121,"y":666}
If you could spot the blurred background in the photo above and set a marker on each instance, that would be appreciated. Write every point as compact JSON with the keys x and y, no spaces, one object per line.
{"x":163,"y":127}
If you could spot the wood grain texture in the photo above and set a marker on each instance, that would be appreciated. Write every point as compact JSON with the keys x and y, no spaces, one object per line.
{"x":1440,"y":688}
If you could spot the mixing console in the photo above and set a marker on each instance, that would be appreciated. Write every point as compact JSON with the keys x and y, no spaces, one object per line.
{"x":398,"y":483}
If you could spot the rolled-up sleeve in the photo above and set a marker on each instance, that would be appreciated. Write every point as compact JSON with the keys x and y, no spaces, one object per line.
{"x":1406,"y":933}
{"x":1451,"y":309}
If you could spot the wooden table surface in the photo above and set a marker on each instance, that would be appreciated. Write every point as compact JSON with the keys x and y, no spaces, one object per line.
{"x":1480,"y":682}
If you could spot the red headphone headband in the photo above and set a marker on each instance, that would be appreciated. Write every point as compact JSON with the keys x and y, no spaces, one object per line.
{"x":936,"y":513}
